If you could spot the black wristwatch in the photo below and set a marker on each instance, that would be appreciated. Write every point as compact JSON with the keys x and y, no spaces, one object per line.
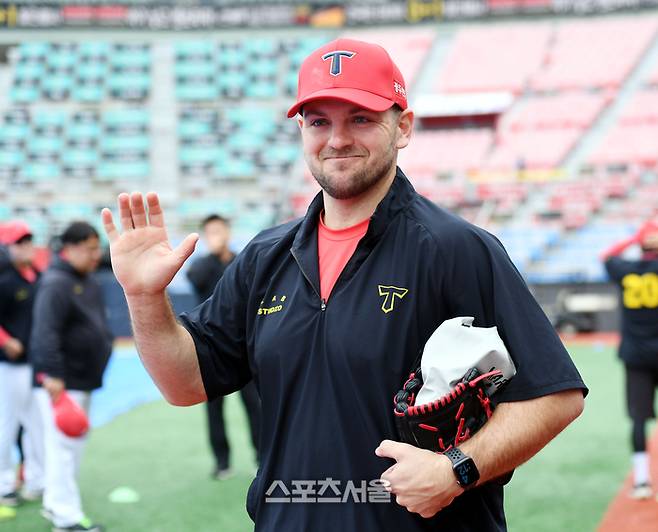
{"x":464,"y":468}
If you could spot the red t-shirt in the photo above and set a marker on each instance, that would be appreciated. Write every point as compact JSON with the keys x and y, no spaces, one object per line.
{"x":335,"y":247}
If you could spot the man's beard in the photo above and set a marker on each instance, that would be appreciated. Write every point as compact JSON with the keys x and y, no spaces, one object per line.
{"x":358,"y":183}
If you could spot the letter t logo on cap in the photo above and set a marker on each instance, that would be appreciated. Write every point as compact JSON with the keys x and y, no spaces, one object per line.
{"x":335,"y":60}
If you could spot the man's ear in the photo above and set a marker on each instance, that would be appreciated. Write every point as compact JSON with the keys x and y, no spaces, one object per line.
{"x":405,"y":126}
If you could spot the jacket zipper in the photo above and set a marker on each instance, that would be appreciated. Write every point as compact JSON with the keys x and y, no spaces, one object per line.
{"x":323,"y":302}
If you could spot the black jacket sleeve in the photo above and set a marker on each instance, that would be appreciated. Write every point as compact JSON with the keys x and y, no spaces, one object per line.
{"x":218,"y":328}
{"x":483,"y":282}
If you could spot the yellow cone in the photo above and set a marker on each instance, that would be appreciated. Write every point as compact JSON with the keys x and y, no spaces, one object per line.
{"x":7,"y":513}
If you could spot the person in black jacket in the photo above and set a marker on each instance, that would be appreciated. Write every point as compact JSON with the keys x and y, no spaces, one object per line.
{"x":637,"y":280}
{"x":18,"y":285}
{"x":204,"y":274}
{"x":328,"y":313}
{"x":71,"y":345}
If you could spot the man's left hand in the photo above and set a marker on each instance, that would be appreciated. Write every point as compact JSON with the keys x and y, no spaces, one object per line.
{"x":422,"y":481}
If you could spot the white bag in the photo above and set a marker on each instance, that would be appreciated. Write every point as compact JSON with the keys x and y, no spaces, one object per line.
{"x":457,"y":346}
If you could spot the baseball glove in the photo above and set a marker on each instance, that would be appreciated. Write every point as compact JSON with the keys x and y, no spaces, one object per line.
{"x":447,"y":421}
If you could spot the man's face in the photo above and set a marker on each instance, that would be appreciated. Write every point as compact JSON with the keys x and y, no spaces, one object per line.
{"x":84,"y":256}
{"x":22,"y":253}
{"x":217,"y":235}
{"x":349,"y":149}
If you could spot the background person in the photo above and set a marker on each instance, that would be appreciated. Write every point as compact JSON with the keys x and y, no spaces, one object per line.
{"x":204,"y":274}
{"x":18,"y":285}
{"x":638,"y":284}
{"x":71,"y":342}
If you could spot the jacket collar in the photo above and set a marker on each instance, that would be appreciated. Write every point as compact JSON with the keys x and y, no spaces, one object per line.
{"x":305,"y":244}
{"x":62,"y":265}
{"x":397,"y":198}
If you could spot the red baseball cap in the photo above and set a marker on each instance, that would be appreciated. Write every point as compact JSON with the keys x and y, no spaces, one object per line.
{"x":11,"y":232}
{"x":353,"y":71}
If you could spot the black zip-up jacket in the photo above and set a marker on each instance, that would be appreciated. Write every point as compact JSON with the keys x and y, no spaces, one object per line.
{"x":70,"y":338}
{"x":16,"y":302}
{"x":327,"y":370}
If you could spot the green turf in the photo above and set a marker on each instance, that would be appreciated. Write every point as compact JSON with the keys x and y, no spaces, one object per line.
{"x":161,"y":452}
{"x":570,"y":483}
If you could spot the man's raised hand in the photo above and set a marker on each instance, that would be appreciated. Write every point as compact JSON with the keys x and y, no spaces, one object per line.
{"x":143,"y":261}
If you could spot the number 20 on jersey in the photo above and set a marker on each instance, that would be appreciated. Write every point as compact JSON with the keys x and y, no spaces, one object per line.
{"x":640,"y":291}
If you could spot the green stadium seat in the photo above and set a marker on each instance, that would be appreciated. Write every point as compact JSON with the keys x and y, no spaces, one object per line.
{"x":232,"y":79}
{"x":79,"y":157}
{"x":93,"y":70}
{"x":41,"y":171}
{"x":83,"y":131}
{"x":116,"y":170}
{"x":126,"y":117}
{"x":263,"y":68}
{"x":131,"y":59}
{"x":45,"y":145}
{"x":245,"y":141}
{"x":260,"y":128}
{"x":11,"y":158}
{"x":197,"y":208}
{"x":290,"y":82}
{"x":49,"y":118}
{"x":28,"y":71}
{"x":94,"y":49}
{"x":254,"y":220}
{"x":88,"y":93}
{"x":261,"y":90}
{"x":24,"y":94}
{"x":282,"y":153}
{"x":62,"y":60}
{"x":195,"y":69}
{"x":125,"y":143}
{"x":233,"y":57}
{"x":67,"y":211}
{"x":195,"y":48}
{"x":193,"y":128}
{"x":34,"y":50}
{"x":201,"y":154}
{"x":10,"y":132}
{"x":261,"y":47}
{"x":235,"y":168}
{"x":197,"y":92}
{"x":123,"y":82}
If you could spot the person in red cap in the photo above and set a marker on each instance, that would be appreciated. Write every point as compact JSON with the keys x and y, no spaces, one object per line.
{"x":71,"y":343}
{"x":18,"y":285}
{"x":328,"y":313}
{"x":637,"y":280}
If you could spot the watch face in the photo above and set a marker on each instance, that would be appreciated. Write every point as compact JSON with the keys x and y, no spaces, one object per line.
{"x":466,"y":472}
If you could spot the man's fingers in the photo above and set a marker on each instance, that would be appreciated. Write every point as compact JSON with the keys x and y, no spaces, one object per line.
{"x":391,"y":449}
{"x":156,"y":216}
{"x":137,"y":210}
{"x":386,"y":478}
{"x":124,"y":212}
{"x":186,"y":247}
{"x":108,"y":224}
